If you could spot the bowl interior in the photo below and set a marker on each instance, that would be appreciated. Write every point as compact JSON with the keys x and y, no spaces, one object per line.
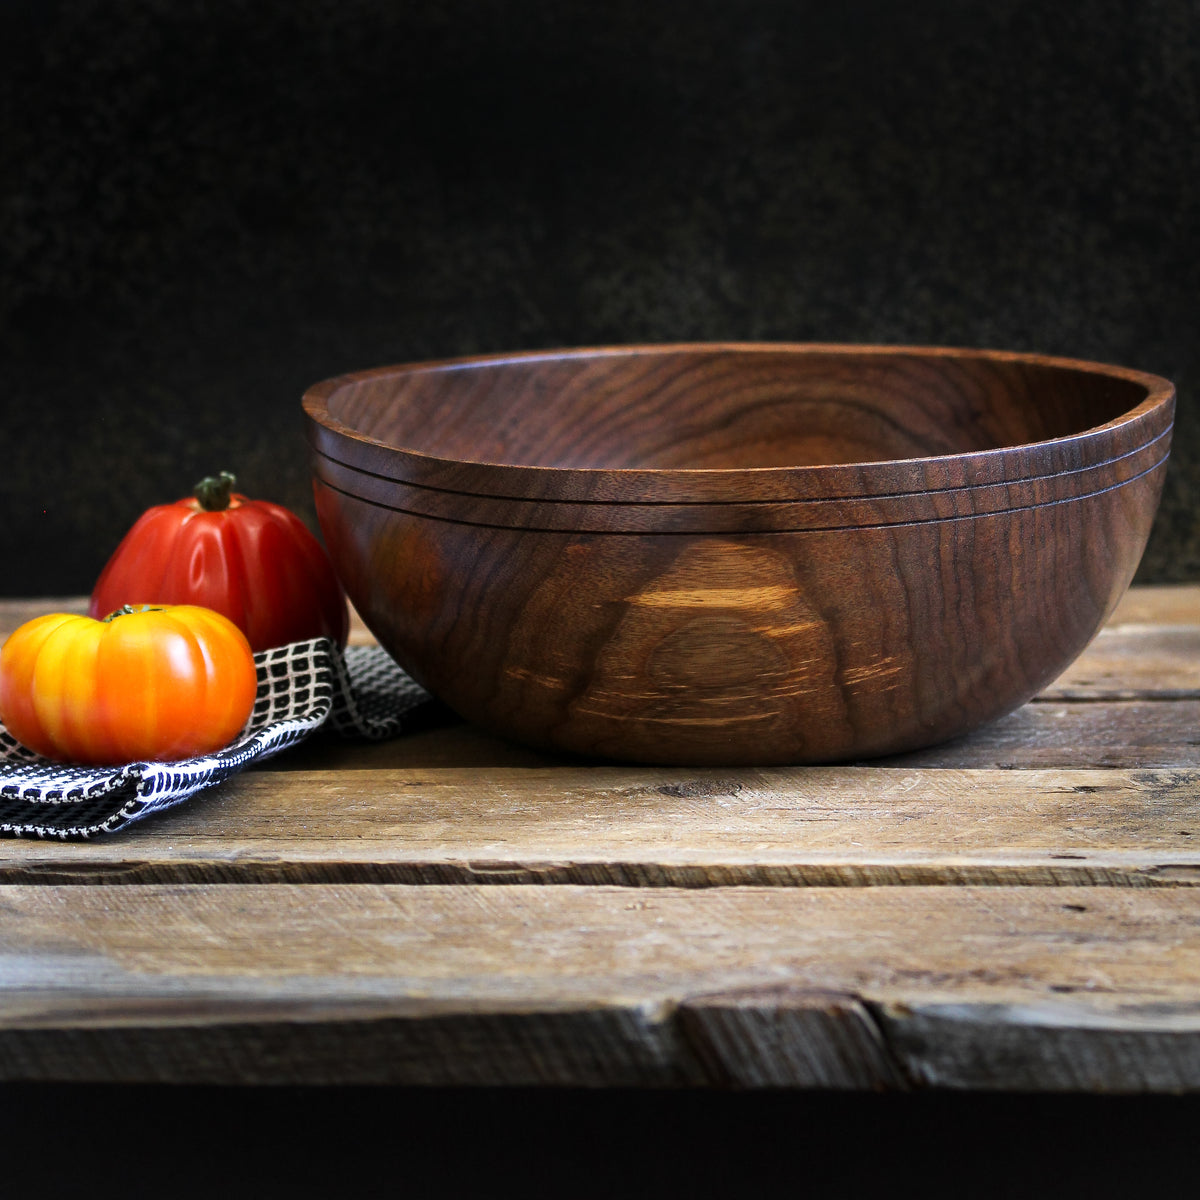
{"x":728,"y":407}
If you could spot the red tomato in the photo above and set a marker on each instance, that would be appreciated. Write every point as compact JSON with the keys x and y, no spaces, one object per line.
{"x":252,"y":561}
{"x":146,"y":683}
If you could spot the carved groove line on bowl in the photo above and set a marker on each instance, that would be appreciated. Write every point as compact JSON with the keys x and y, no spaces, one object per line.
{"x":742,"y":527}
{"x":906,"y":492}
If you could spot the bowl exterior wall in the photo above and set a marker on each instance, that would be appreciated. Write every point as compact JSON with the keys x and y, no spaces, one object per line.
{"x":726,"y":648}
{"x":930,"y":503}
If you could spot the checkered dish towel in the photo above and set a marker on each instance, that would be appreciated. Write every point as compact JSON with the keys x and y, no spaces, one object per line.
{"x":360,"y":693}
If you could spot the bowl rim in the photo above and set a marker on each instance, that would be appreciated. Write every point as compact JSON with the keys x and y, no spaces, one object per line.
{"x":1150,"y":420}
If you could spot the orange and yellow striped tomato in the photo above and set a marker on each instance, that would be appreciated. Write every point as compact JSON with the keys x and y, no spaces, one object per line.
{"x":145,"y":683}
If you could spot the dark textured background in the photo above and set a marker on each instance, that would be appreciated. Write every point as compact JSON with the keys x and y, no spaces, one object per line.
{"x":208,"y":206}
{"x":204,"y":207}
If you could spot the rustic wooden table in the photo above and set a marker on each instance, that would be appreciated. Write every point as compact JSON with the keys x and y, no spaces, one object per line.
{"x":1014,"y":911}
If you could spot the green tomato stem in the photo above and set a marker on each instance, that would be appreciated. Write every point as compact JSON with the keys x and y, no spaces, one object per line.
{"x":213,"y":491}
{"x":130,"y":610}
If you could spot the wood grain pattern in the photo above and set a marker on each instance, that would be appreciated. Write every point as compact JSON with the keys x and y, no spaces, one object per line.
{"x":817,"y":646}
{"x":1150,"y":733}
{"x":267,"y":932}
{"x":739,"y":516}
{"x":1132,"y":663}
{"x":789,"y":827}
{"x":1145,"y":733}
{"x":1158,"y":604}
{"x":996,"y":987}
{"x":718,"y":423}
{"x":14,"y":613}
{"x":738,"y":555}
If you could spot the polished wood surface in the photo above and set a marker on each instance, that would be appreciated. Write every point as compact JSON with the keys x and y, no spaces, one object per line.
{"x":725,"y":423}
{"x":1003,"y":912}
{"x":744,"y":516}
{"x":710,"y":555}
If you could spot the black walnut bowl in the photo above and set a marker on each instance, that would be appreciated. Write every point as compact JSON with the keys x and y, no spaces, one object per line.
{"x":738,"y":554}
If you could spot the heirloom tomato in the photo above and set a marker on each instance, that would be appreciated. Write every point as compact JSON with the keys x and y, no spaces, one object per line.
{"x":144,"y":683}
{"x":252,"y":561}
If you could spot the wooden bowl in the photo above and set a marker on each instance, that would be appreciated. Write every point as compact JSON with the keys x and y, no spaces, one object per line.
{"x":724,"y":554}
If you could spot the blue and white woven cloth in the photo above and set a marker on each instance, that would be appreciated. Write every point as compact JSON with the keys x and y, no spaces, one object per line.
{"x":359,"y":693}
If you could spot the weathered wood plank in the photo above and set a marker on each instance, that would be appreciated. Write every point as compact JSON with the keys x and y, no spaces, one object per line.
{"x":788,"y":1038}
{"x":645,"y":827}
{"x":445,"y":741}
{"x":1058,"y":987}
{"x":360,"y":635}
{"x":1111,"y":1048}
{"x":1117,"y":733}
{"x":612,"y":1047}
{"x":1131,"y":662}
{"x":1045,"y":988}
{"x":1158,"y":604}
{"x":1150,"y":648}
{"x":1120,"y":733}
{"x":17,"y":612}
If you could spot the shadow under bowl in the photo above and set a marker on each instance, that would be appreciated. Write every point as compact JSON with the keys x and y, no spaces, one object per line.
{"x":738,"y":554}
